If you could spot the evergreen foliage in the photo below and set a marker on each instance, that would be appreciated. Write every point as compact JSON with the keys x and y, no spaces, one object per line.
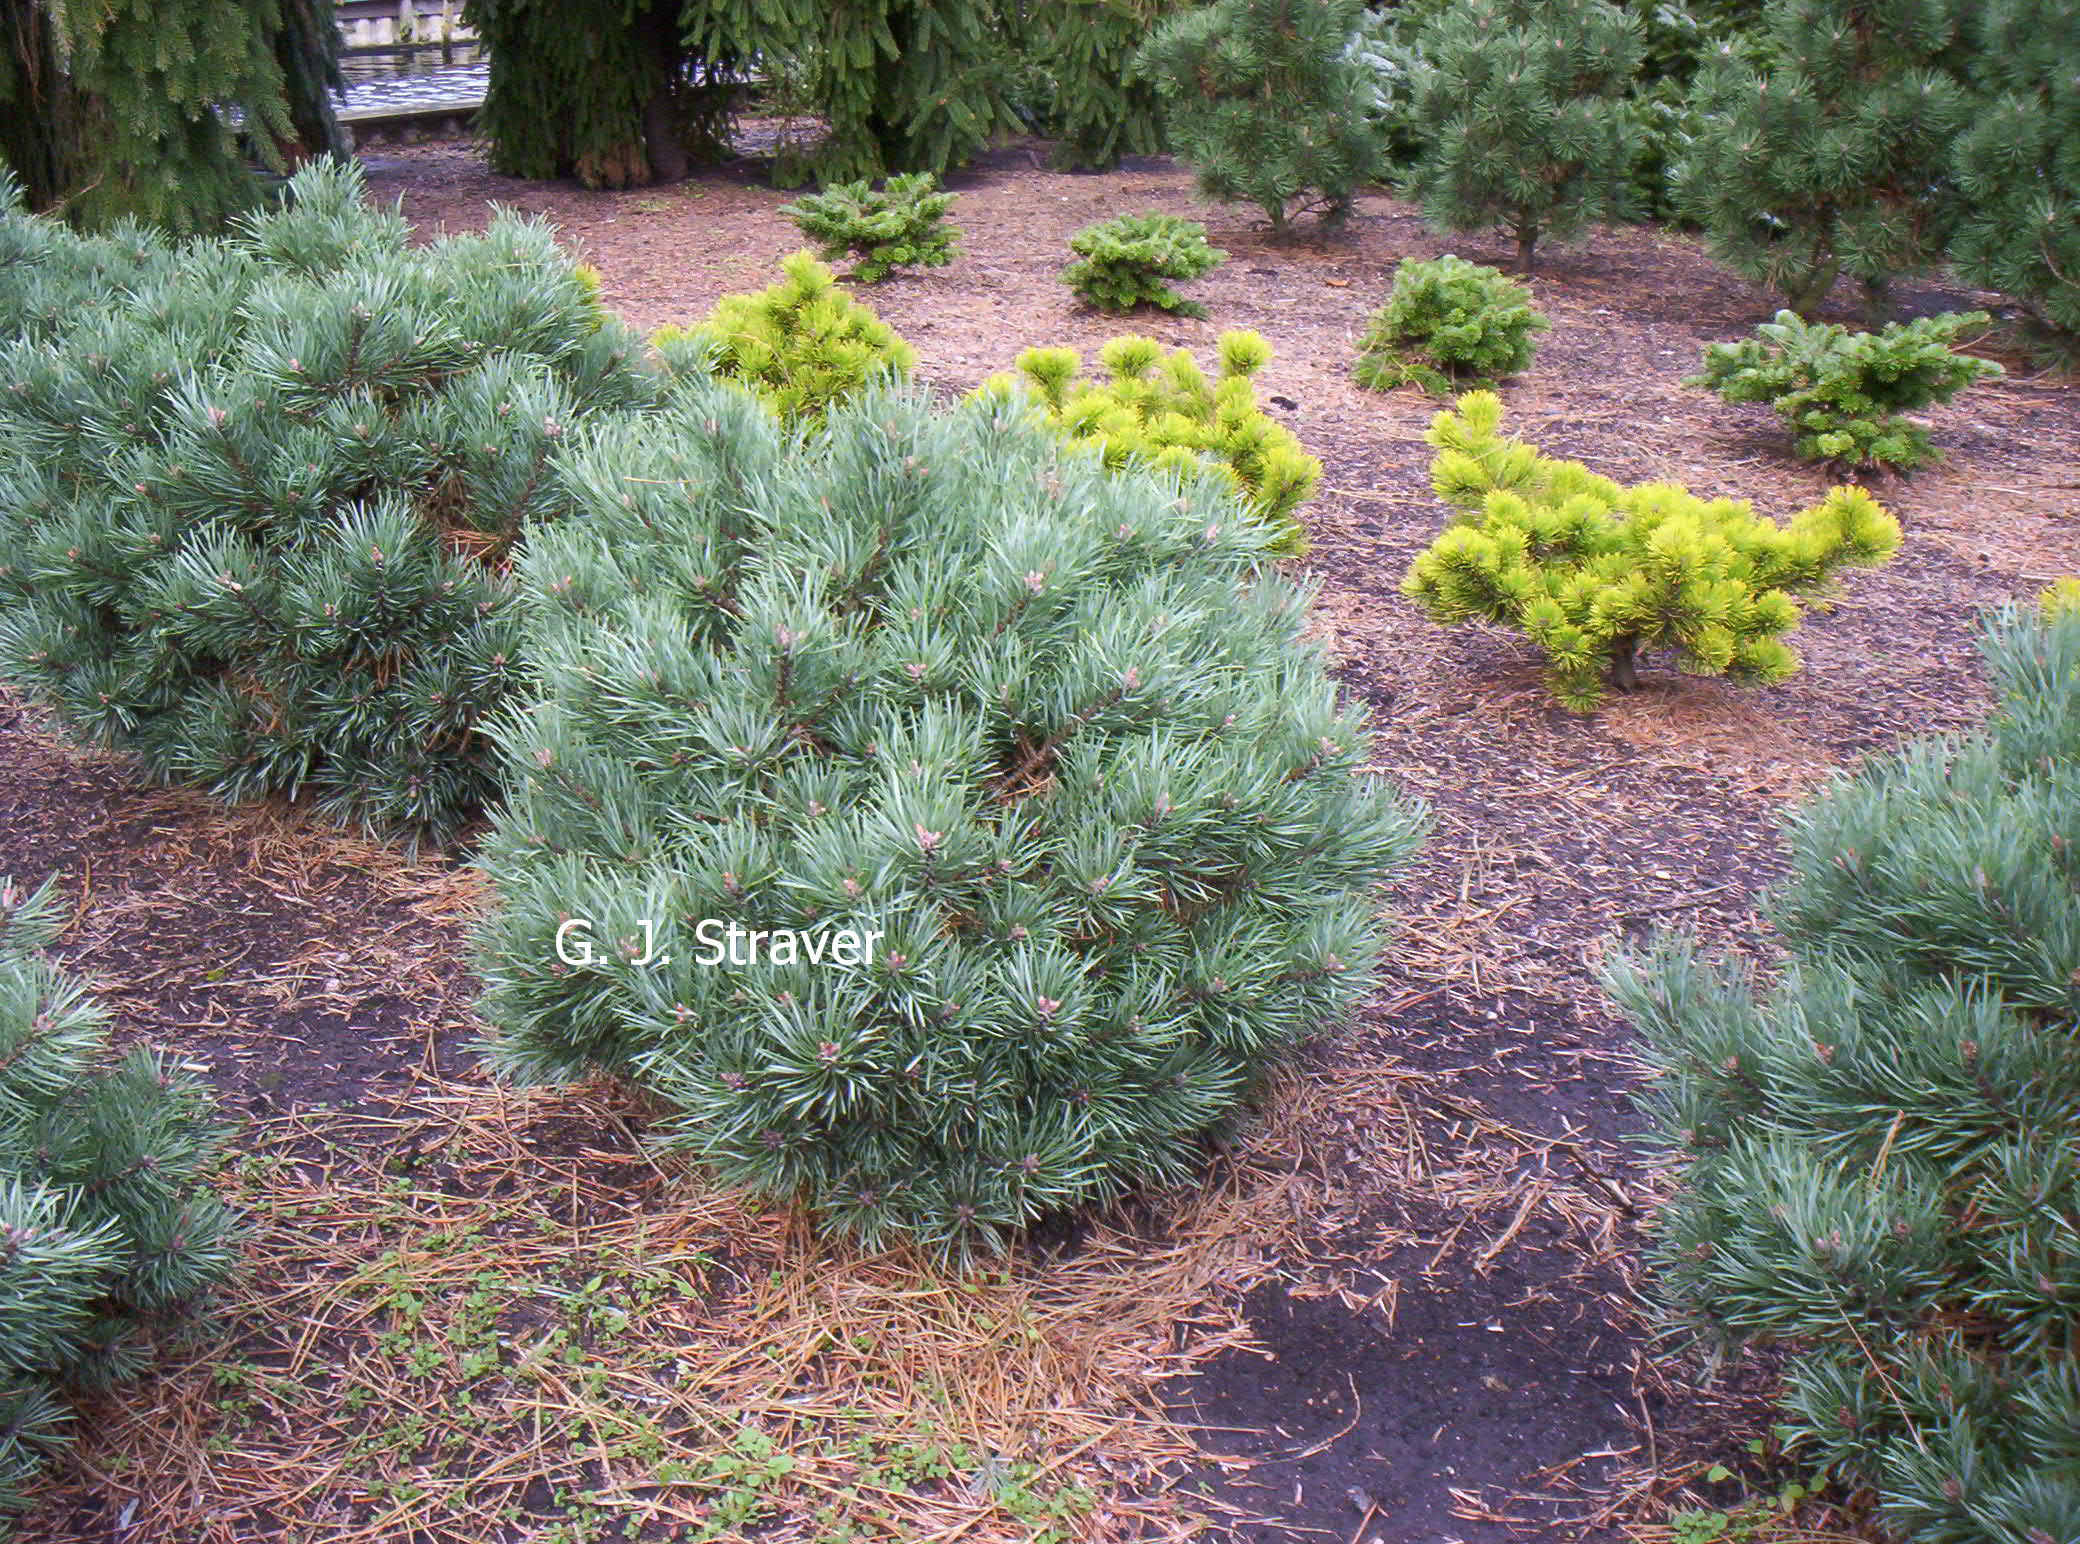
{"x":1098,"y":109}
{"x":1162,"y":410}
{"x":1448,"y":324}
{"x":1827,"y":158}
{"x":123,"y":108}
{"x":1878,"y":1162}
{"x":1270,"y":103}
{"x":2017,"y":163}
{"x":106,"y":1224}
{"x":257,"y":494}
{"x":1842,"y":392}
{"x":1049,"y":731}
{"x":1520,"y":109}
{"x":800,"y":345}
{"x":1134,"y":259}
{"x":1595,"y":573}
{"x":645,"y":89}
{"x":900,"y":225}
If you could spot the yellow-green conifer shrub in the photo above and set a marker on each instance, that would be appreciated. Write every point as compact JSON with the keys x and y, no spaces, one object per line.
{"x":1163,"y":410}
{"x":799,"y":345}
{"x":1596,"y":573}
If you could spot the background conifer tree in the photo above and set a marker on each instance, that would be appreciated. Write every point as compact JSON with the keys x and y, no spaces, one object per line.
{"x":1270,"y":103}
{"x":1878,"y":1160}
{"x":1097,"y":107}
{"x":120,"y":107}
{"x":1831,"y":157}
{"x":1519,"y":105}
{"x":2017,"y":163}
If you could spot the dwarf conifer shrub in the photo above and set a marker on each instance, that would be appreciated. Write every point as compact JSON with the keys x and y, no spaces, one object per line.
{"x":1876,"y":1148}
{"x":1162,"y":410}
{"x":1448,"y":324}
{"x":901,"y":224}
{"x":106,"y":1224}
{"x":1044,"y":738}
{"x":1596,"y":574}
{"x":257,"y":494}
{"x":1842,"y":393}
{"x":1135,"y":259}
{"x":799,"y":345}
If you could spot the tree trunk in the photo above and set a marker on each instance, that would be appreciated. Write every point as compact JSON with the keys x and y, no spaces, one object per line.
{"x":1527,"y":243}
{"x":666,"y":60}
{"x":1625,"y":665}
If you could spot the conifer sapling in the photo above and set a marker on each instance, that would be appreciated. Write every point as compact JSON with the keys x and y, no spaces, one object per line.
{"x":1135,"y":259}
{"x":901,"y":224}
{"x":1448,"y":324}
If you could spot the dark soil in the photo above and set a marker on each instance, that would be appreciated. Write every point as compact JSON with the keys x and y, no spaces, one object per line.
{"x":1459,"y":1351}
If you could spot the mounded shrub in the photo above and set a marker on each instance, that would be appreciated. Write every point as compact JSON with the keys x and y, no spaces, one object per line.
{"x":107,"y":1228}
{"x":1049,"y":733}
{"x":1597,"y":574}
{"x":901,"y":224}
{"x":1842,"y":393}
{"x":1448,"y":324}
{"x":1876,"y":1150}
{"x":1135,"y":259}
{"x":1160,"y":409}
{"x":799,"y":345}
{"x":257,"y":494}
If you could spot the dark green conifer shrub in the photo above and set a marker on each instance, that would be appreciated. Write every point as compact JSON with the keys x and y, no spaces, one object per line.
{"x":1596,"y":574}
{"x":2017,"y":164}
{"x":799,"y":345}
{"x":257,"y":494}
{"x":1520,"y":110}
{"x":107,"y":1227}
{"x":1162,"y":410}
{"x":1094,"y":104}
{"x":1270,"y":103}
{"x":1134,"y":259}
{"x":1448,"y":324}
{"x":1842,"y":393}
{"x":1877,"y":1149}
{"x":1827,"y":156}
{"x":901,"y":224}
{"x":1049,"y":732}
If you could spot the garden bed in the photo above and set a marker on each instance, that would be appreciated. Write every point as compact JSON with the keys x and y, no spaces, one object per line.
{"x":1403,"y":1306}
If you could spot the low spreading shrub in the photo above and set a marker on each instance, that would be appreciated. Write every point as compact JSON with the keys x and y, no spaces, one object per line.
{"x":107,"y":1228}
{"x":1135,"y":259}
{"x":799,"y":345}
{"x":1596,"y":574}
{"x":1061,"y":820}
{"x":1876,"y":1157}
{"x":1161,"y":409}
{"x":1842,"y":393}
{"x":1448,"y":324}
{"x":257,"y":494}
{"x":902,"y":224}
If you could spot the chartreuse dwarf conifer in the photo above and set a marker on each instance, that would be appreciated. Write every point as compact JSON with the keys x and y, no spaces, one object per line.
{"x":106,"y":1223}
{"x":1519,"y":108}
{"x":1063,"y":823}
{"x":799,"y":345}
{"x":1162,"y":410}
{"x":1270,"y":103}
{"x":1875,"y":1146}
{"x":258,"y":494}
{"x":1597,"y":574}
